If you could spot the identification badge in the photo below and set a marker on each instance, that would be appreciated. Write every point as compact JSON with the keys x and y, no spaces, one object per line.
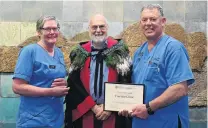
{"x":52,"y":66}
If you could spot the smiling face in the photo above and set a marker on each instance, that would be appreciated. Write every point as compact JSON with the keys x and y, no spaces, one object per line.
{"x":152,"y":23}
{"x":98,"y":29}
{"x":49,"y":32}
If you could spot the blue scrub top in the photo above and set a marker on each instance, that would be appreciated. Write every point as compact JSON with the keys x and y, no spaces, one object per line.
{"x":39,"y":69}
{"x":165,"y":65}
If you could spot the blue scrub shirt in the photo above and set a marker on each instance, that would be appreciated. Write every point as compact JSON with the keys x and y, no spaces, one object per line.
{"x":39,"y":69}
{"x":165,"y":65}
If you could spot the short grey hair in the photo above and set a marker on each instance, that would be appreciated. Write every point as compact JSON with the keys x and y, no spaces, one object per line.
{"x":152,"y":6}
{"x":41,"y":21}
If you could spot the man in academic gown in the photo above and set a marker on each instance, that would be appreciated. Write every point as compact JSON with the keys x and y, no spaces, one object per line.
{"x":102,"y":59}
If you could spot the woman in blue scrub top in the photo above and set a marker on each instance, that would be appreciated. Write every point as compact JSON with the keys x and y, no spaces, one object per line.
{"x":39,"y":79}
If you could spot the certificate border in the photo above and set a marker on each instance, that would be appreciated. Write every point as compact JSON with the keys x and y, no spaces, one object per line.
{"x":121,"y":84}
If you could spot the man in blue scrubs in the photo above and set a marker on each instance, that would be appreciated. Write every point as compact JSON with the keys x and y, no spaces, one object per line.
{"x":162,"y":65}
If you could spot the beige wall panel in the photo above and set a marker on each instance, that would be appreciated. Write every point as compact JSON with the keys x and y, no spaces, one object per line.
{"x":9,"y":33}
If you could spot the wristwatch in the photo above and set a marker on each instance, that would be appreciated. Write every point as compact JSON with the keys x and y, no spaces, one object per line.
{"x":149,"y":110}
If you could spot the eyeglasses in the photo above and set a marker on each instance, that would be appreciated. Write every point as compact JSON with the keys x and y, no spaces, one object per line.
{"x":49,"y":29}
{"x":95,"y":27}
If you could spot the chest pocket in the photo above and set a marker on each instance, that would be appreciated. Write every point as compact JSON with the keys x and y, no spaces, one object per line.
{"x":153,"y":70}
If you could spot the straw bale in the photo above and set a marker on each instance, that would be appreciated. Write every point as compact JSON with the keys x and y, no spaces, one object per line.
{"x":133,"y":35}
{"x":199,"y":86}
{"x":1,"y":57}
{"x":196,"y":47}
{"x":29,"y":40}
{"x":1,"y":49}
{"x":176,"y":31}
{"x":71,"y":43}
{"x":200,"y":81}
{"x":60,"y":42}
{"x":9,"y":55}
{"x":66,"y":52}
{"x":8,"y":58}
{"x":81,"y":37}
{"x":200,"y":100}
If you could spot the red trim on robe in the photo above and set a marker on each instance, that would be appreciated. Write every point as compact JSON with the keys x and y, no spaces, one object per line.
{"x":113,"y":76}
{"x":85,"y":75}
{"x":110,"y":122}
{"x":82,"y":108}
{"x":88,"y":120}
{"x":112,"y":42}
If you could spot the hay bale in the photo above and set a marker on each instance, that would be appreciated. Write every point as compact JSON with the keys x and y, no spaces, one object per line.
{"x":133,"y":35}
{"x":60,"y":42}
{"x":200,"y":100}
{"x":1,"y":57}
{"x":176,"y":31}
{"x":81,"y":37}
{"x":196,"y":47}
{"x":66,"y":52}
{"x":9,"y":55}
{"x":195,"y":42}
{"x":71,"y":43}
{"x":8,"y":58}
{"x":29,"y":40}
{"x":200,"y":82}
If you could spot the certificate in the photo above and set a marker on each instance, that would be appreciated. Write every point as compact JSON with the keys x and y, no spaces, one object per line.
{"x":122,"y":96}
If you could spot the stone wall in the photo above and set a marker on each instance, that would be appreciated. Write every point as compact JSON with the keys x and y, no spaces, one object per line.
{"x":17,"y":18}
{"x":17,"y":22}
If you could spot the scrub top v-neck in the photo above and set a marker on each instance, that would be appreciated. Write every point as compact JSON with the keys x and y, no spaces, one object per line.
{"x":165,"y":65}
{"x":38,"y":68}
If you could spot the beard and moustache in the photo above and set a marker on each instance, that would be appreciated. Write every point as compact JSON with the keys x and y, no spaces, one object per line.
{"x":98,"y":39}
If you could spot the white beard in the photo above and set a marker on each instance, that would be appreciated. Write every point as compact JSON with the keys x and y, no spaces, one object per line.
{"x":98,"y":39}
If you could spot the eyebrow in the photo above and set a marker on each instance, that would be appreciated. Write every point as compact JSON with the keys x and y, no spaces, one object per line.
{"x":98,"y":25}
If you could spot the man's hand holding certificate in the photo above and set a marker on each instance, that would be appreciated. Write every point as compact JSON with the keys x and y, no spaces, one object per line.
{"x":122,"y":96}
